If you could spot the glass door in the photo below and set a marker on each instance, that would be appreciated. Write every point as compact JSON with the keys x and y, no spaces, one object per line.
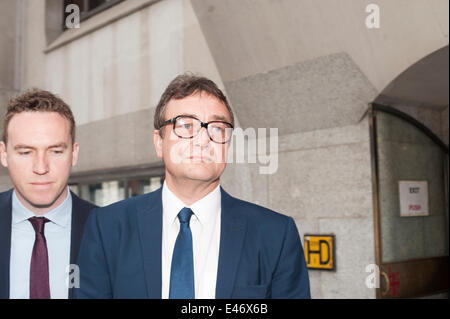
{"x":410,"y":169}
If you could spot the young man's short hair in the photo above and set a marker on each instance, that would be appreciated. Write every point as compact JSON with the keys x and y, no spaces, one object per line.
{"x":36,"y":100}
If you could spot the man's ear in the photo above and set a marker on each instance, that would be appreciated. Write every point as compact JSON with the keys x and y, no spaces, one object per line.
{"x":157,"y":142}
{"x":3,"y":154}
{"x":75,"y":149}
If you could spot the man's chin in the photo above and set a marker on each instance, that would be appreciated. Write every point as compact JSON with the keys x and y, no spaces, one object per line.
{"x":41,"y":200}
{"x":42,"y":203}
{"x":201,"y":175}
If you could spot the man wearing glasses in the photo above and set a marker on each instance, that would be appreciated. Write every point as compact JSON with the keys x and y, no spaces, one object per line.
{"x":190,"y":239}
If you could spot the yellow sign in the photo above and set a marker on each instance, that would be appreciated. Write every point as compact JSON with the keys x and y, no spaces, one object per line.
{"x":319,"y":251}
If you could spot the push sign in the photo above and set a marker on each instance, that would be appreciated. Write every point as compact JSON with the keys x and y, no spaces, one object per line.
{"x":413,"y":198}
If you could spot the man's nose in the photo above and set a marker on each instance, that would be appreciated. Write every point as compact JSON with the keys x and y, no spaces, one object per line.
{"x":202,"y":137}
{"x":40,"y":165}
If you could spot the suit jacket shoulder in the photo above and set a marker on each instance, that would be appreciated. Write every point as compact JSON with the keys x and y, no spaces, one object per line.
{"x":127,"y":208}
{"x":119,"y":218}
{"x":118,"y":240}
{"x":265,"y":248}
{"x":256,"y":215}
{"x":80,"y":204}
{"x":5,"y":196}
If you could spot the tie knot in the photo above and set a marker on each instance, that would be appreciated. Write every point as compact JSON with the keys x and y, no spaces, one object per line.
{"x":38,"y":224}
{"x":185,"y":215}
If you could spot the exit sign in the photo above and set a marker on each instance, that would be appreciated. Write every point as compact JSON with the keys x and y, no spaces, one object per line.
{"x":413,"y":198}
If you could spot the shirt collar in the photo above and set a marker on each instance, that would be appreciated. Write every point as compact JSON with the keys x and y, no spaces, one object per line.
{"x":205,"y":209}
{"x":60,"y":215}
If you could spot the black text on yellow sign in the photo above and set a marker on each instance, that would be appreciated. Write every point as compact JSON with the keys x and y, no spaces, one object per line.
{"x":319,"y":252}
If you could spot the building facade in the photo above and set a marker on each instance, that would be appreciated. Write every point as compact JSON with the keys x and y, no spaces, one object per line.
{"x":309,"y":69}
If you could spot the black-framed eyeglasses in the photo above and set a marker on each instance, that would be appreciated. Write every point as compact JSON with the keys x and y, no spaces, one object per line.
{"x":187,"y":126}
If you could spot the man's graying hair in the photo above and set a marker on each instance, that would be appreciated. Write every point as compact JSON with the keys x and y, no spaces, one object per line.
{"x":183,"y":86}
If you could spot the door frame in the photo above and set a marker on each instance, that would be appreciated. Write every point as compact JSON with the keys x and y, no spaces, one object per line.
{"x":430,"y":282}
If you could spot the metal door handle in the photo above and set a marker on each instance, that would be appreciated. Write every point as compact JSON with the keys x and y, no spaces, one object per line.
{"x":388,"y":284}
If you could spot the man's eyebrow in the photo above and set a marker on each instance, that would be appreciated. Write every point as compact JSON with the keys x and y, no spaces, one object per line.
{"x":219,"y":118}
{"x":62,"y":145}
{"x":21,"y":146}
{"x":188,"y":114}
{"x":215,"y":117}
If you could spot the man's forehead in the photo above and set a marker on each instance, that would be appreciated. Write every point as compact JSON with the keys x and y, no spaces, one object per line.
{"x":38,"y":128}
{"x":33,"y":119}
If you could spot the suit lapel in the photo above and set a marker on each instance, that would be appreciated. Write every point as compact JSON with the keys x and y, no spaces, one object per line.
{"x":232,"y":234}
{"x":5,"y":242}
{"x":80,"y":213}
{"x":149,"y":214}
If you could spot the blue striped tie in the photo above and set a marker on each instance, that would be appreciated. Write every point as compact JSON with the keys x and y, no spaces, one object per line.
{"x":182,"y":270}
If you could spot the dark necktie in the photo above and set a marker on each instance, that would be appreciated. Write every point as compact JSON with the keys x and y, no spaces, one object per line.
{"x":39,"y":282}
{"x":182,"y":269}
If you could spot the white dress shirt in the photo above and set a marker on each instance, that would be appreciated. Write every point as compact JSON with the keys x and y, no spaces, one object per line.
{"x":57,"y":234}
{"x":205,"y":228}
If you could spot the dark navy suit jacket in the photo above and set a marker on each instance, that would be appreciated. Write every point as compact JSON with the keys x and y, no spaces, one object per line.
{"x":80,"y":212}
{"x":260,"y":252}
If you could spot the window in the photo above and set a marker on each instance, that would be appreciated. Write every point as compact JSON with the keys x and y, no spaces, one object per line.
{"x":88,"y":8}
{"x":103,"y":193}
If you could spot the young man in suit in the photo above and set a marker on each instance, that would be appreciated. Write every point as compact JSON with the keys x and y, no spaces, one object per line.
{"x":190,"y":239}
{"x":41,"y":221}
